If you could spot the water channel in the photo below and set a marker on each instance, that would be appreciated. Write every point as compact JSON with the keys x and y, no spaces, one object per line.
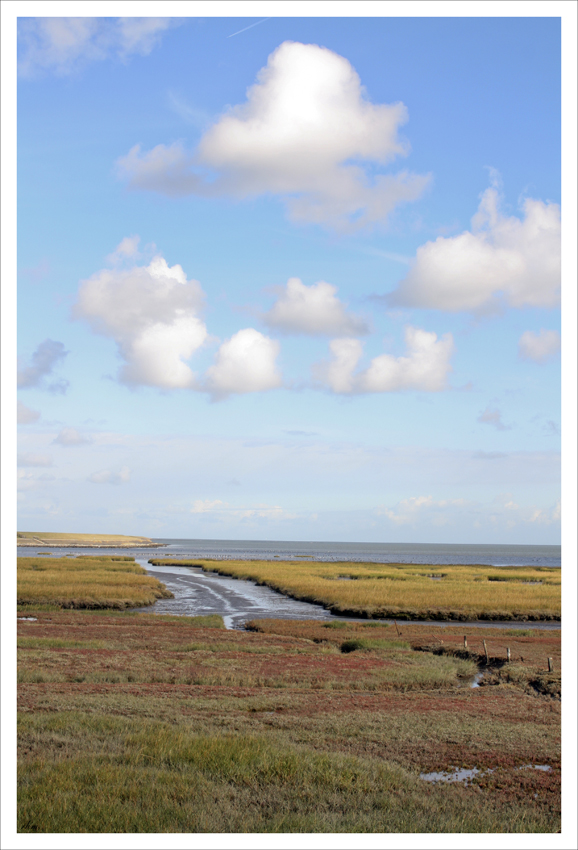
{"x":197,"y":592}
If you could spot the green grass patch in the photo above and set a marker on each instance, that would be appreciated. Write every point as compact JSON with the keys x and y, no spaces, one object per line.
{"x":373,"y":644}
{"x":235,"y":783}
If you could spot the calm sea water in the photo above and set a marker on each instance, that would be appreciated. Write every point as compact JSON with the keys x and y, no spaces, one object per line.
{"x":382,"y":553}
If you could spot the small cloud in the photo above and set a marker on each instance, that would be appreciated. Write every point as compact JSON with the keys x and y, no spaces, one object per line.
{"x":488,"y":455}
{"x":425,"y":366}
{"x":43,"y":361}
{"x":539,"y":347}
{"x":31,"y":459}
{"x":108,"y":477}
{"x":26,"y":415}
{"x":127,"y":248}
{"x":551,"y":428}
{"x":493,"y":417}
{"x":203,"y":506}
{"x":71,"y":437}
{"x":313,"y":310}
{"x":301,"y":433}
{"x":245,"y":363}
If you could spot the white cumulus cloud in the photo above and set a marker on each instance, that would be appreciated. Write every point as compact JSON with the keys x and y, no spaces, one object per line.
{"x":425,"y":366}
{"x":307,"y":133}
{"x":539,"y":347}
{"x":245,"y":363}
{"x":502,"y":260}
{"x":151,"y":313}
{"x":312,"y":310}
{"x":62,"y":45}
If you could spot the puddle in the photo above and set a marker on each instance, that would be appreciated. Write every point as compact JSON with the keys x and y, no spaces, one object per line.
{"x":466,"y":775}
{"x":30,"y":619}
{"x":455,"y":775}
{"x":476,"y":680}
{"x":545,"y":767}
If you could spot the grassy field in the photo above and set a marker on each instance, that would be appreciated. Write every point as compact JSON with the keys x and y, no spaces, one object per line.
{"x":86,"y":582}
{"x":406,"y":591}
{"x":292,"y":726}
{"x":34,"y":538}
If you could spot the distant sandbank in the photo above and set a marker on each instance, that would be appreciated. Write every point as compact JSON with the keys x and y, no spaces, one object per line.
{"x":83,"y":541}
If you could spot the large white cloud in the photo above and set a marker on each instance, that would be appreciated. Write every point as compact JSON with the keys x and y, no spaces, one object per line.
{"x":152,"y":314}
{"x":425,"y":366}
{"x":312,"y":310}
{"x":502,"y":259}
{"x":62,"y":45}
{"x":245,"y":363}
{"x":539,"y":347}
{"x":307,"y":132}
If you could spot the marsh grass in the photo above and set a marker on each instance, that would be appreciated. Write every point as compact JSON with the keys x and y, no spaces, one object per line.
{"x":188,"y":728}
{"x":237,"y":783}
{"x":405,"y":591}
{"x":86,"y":582}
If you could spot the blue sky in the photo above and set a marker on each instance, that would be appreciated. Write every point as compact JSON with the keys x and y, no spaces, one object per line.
{"x":297,"y":280}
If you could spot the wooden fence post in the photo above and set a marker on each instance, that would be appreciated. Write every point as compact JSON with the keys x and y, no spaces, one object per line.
{"x":465,"y":642}
{"x":486,"y":651}
{"x":508,"y":653}
{"x":550,"y":665}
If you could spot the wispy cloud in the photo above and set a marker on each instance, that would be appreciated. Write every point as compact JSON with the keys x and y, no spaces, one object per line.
{"x":64,"y":45}
{"x":492,"y":416}
{"x":256,"y":24}
{"x":47,"y":355}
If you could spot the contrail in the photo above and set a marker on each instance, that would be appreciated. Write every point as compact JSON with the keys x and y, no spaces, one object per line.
{"x":248,"y":28}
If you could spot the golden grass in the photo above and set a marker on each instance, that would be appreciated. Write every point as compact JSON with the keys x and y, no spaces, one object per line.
{"x":86,"y":583}
{"x":407,"y":591}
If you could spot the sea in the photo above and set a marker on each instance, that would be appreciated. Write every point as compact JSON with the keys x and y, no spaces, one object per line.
{"x":490,"y":554}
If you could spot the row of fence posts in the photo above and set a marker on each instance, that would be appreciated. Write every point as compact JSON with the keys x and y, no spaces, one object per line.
{"x":508,"y":654}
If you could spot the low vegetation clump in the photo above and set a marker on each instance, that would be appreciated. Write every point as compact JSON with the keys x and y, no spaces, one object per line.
{"x":405,"y":591}
{"x":275,"y":729}
{"x":86,"y":582}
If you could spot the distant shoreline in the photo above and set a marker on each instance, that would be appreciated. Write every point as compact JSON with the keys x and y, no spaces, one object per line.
{"x":37,"y":544}
{"x":54,"y":540}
